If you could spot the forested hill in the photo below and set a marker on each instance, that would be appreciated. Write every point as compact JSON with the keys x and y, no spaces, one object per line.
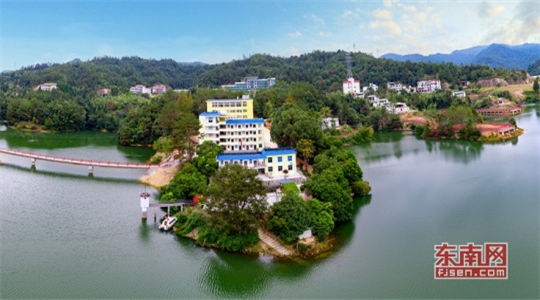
{"x":325,"y":70}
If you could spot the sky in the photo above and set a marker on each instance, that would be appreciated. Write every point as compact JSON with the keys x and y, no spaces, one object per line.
{"x":218,"y":31}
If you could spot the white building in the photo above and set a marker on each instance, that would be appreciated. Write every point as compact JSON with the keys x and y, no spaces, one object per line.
{"x":371,"y":86}
{"x":48,"y":86}
{"x":140,"y":89}
{"x":158,"y":89}
{"x":394,"y":86}
{"x":459,"y":94}
{"x":235,"y":135}
{"x":352,"y":86}
{"x":428,"y":86}
{"x":376,"y":102}
{"x":328,"y":123}
{"x":400,"y":108}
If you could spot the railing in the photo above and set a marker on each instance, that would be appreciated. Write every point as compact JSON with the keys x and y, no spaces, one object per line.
{"x":76,"y":161}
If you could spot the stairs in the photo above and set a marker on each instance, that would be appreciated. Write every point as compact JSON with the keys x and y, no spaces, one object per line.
{"x":270,"y":241}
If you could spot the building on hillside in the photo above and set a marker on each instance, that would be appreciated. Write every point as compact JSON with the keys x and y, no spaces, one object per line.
{"x":464,"y":84}
{"x":158,"y":89}
{"x":274,"y":165}
{"x":235,"y":135}
{"x":459,"y":94}
{"x":394,"y":86}
{"x":400,"y":108}
{"x":48,"y":86}
{"x":499,"y":111}
{"x":376,"y":102}
{"x":103,"y":92}
{"x":251,"y":83}
{"x":232,"y":108}
{"x":352,"y":87}
{"x":370,"y":86}
{"x":428,"y":86}
{"x":328,"y":123}
{"x":140,"y":89}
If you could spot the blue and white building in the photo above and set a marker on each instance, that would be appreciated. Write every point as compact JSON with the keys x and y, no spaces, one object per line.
{"x":235,"y":135}
{"x":252,"y":83}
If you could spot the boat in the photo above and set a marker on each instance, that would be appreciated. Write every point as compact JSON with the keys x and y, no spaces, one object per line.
{"x":167,"y":223}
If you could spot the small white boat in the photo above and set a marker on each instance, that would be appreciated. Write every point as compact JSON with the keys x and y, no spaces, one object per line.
{"x":167,"y":224}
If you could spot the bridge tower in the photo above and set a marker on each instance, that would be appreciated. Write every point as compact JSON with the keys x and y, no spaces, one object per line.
{"x":145,"y":203}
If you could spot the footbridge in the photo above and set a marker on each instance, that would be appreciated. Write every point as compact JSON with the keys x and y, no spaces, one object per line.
{"x":77,"y":161}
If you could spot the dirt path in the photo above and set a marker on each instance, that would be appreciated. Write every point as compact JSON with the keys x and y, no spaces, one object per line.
{"x":265,"y":238}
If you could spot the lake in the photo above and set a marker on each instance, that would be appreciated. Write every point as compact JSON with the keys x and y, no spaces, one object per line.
{"x":66,"y":234}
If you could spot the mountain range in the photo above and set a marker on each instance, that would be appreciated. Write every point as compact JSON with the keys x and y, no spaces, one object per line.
{"x":494,"y":55}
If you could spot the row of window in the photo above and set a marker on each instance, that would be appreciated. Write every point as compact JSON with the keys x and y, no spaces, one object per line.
{"x":244,"y":126}
{"x":280,"y":158}
{"x":252,"y":132}
{"x":229,"y":104}
{"x":279,"y":168}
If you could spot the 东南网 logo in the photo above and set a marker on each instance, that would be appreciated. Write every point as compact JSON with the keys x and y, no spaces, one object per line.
{"x":471,"y":261}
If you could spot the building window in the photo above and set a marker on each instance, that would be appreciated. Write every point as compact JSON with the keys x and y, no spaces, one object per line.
{"x":280,"y":168}
{"x":280,"y":159}
{"x":290,"y":167}
{"x":289,"y":158}
{"x":269,"y":159}
{"x":270,"y":169}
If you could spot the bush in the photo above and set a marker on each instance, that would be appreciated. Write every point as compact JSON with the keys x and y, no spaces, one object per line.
{"x":321,"y":217}
{"x":361,"y":188}
{"x":156,"y":159}
{"x":192,"y":221}
{"x":363,"y":135}
{"x":208,"y":235}
{"x":289,"y":218}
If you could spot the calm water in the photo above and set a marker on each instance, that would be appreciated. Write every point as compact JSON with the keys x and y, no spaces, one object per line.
{"x":64,"y":234}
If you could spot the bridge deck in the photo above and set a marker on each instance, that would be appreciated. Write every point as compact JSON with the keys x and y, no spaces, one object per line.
{"x":77,"y":161}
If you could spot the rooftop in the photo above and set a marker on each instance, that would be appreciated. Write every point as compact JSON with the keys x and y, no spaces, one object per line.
{"x":210,"y":114}
{"x":240,"y":156}
{"x":244,"y":121}
{"x":278,"y":151}
{"x":235,"y":99}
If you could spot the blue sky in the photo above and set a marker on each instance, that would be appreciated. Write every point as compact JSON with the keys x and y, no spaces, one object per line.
{"x":217,"y":31}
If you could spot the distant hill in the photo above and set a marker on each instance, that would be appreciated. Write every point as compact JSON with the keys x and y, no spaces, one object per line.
{"x":324,"y":70}
{"x":494,"y":55}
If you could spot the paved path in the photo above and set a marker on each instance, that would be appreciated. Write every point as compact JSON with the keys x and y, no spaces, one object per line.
{"x":273,"y":243}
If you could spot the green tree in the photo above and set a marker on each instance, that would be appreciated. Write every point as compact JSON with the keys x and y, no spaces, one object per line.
{"x":185,"y":184}
{"x":289,"y":217}
{"x":331,"y":186}
{"x":205,"y":161}
{"x":306,"y":149}
{"x":292,"y":124}
{"x":237,"y":200}
{"x":321,"y":218}
{"x":536,"y":87}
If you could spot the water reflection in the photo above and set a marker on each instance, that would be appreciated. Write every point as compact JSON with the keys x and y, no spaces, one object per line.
{"x":32,"y":169}
{"x":34,"y":140}
{"x":144,"y":232}
{"x":456,"y":151}
{"x":235,"y":275}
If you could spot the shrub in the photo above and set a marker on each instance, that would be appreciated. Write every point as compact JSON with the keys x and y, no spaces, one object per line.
{"x":289,"y":218}
{"x":361,"y":188}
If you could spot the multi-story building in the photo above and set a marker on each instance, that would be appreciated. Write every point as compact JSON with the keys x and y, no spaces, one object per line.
{"x":328,"y":123}
{"x":428,"y":86}
{"x":251,"y":83}
{"x":48,"y":86}
{"x":158,"y":89}
{"x":395,"y":86}
{"x":235,"y":135}
{"x":278,"y":162}
{"x":232,"y":108}
{"x":352,"y":86}
{"x":140,"y":89}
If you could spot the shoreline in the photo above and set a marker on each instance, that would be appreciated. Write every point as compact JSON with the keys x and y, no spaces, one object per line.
{"x":321,"y":250}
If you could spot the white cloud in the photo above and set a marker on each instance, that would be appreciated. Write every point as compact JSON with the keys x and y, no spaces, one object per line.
{"x":382,"y":14}
{"x":495,"y":10}
{"x":391,"y":26}
{"x":295,"y":34}
{"x":317,"y":20}
{"x":389,"y":3}
{"x":325,"y":34}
